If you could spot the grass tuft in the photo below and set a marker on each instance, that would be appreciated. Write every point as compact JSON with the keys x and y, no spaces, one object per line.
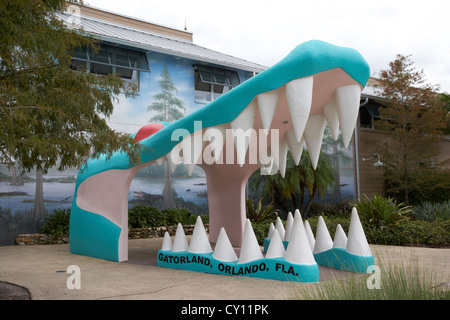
{"x":400,"y":278}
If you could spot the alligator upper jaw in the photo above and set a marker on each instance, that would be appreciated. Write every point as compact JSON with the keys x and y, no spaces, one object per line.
{"x":292,"y":115}
{"x":287,"y":117}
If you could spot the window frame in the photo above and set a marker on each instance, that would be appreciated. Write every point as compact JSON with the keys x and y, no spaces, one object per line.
{"x":213,"y":81}
{"x":138,"y":58}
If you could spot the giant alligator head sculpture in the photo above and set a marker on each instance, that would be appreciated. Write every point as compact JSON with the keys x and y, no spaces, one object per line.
{"x":280,"y":109}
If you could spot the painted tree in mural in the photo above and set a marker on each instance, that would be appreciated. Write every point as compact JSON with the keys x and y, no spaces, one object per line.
{"x":50,"y":114}
{"x":413,"y":119}
{"x":167,"y":107}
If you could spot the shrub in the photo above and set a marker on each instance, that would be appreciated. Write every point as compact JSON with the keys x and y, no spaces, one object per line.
{"x":327,"y":209}
{"x":260,"y":212}
{"x":174,"y":216}
{"x":57,"y":224}
{"x":380,"y":211}
{"x":443,"y":210}
{"x":417,"y":233}
{"x":431,"y":186}
{"x":424,"y":212}
{"x":412,"y":233}
{"x":261,"y":230}
{"x":428,"y":211}
{"x":142,"y":216}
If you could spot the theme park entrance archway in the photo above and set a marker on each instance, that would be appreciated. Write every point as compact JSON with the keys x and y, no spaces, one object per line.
{"x":282,"y":109}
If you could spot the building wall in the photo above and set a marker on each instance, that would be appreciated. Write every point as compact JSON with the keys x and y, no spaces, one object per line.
{"x":130,"y":114}
{"x":371,"y":178}
{"x":444,"y":155}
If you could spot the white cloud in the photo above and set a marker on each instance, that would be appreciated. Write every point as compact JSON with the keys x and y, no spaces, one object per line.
{"x":264,"y":31}
{"x":129,"y":115}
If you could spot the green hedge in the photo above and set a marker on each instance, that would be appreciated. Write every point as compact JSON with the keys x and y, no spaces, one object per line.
{"x":413,"y":233}
{"x":139,"y":216}
{"x":416,"y":233}
{"x":143,"y":216}
{"x":435,"y":234}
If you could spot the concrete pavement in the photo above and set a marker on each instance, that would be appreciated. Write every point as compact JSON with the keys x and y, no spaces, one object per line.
{"x":42,"y":270}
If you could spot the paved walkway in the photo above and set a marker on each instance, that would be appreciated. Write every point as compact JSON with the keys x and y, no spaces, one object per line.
{"x":42,"y":270}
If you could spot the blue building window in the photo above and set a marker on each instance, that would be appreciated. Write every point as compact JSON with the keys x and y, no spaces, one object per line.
{"x":212,"y":82}
{"x":123,"y":62}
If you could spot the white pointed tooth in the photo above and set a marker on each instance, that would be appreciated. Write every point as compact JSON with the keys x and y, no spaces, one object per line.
{"x":313,"y":136}
{"x":216,"y":136}
{"x":250,"y":249}
{"x":288,"y":229}
{"x":298,"y":250}
{"x":271,"y":229}
{"x":276,"y":247}
{"x":310,"y":235}
{"x":267,"y":103}
{"x":295,"y":147}
{"x":331,"y":114}
{"x":180,"y":242}
{"x":299,"y":99}
{"x":269,"y":169}
{"x":192,"y":146}
{"x":189,"y":168}
{"x":167,"y":242}
{"x":282,"y":158}
{"x":199,"y":241}
{"x":174,"y":157}
{"x":357,"y":242}
{"x":161,"y":160}
{"x":223,"y":251}
{"x":323,"y":238}
{"x":340,"y":239}
{"x":347,"y":103}
{"x":280,"y":227}
{"x":297,"y":215}
{"x":170,"y":163}
{"x":242,"y":127}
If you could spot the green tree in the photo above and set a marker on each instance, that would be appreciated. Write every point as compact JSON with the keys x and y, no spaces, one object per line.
{"x":413,"y":121}
{"x":168,"y":107}
{"x":300,"y":182}
{"x":50,"y":114}
{"x":444,"y":99}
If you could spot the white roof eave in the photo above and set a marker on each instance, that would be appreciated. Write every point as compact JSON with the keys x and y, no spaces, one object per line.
{"x":178,"y":53}
{"x":124,"y":35}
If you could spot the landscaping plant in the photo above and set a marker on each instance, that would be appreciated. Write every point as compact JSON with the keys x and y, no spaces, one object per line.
{"x":57,"y":224}
{"x":380,"y":211}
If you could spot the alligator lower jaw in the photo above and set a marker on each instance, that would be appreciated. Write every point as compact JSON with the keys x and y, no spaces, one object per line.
{"x":295,"y":259}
